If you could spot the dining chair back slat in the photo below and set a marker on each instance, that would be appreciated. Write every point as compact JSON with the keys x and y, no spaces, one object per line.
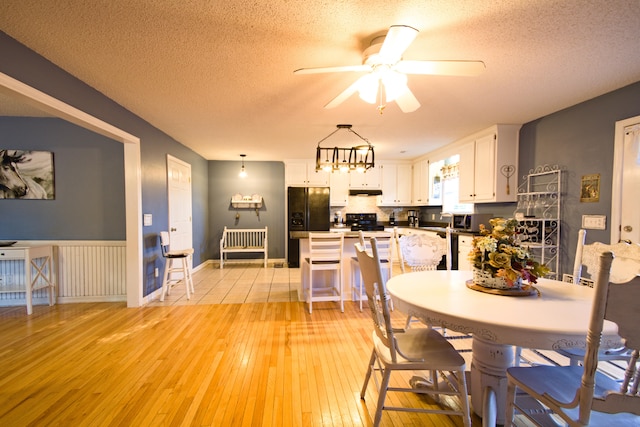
{"x":422,"y":251}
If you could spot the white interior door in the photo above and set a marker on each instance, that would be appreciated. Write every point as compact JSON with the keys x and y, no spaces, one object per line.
{"x":625,"y":221}
{"x":179,"y":187}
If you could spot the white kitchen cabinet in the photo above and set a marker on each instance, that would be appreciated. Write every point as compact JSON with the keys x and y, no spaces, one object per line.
{"x":339,"y":189}
{"x":464,"y":247}
{"x":396,"y":184}
{"x":435,"y":182}
{"x":302,"y":173}
{"x":488,"y":166}
{"x":421,"y":183}
{"x":369,"y":180}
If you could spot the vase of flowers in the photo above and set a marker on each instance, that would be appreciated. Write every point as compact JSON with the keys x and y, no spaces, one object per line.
{"x":498,"y":259}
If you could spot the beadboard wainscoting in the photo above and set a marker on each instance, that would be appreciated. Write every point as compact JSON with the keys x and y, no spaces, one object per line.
{"x":87,"y":271}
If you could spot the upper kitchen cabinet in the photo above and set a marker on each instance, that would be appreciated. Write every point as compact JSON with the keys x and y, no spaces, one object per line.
{"x":421,"y":183}
{"x":302,"y":173}
{"x":488,"y":165}
{"x":396,"y":184}
{"x":339,"y":189}
{"x":369,"y":180}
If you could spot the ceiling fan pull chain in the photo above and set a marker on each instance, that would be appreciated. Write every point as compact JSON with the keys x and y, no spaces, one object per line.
{"x":381,"y":97}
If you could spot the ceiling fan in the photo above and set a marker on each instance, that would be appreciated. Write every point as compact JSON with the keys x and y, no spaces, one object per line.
{"x":386,"y":78}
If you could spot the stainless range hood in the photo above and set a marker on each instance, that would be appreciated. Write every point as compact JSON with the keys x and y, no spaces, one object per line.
{"x":365,"y":192}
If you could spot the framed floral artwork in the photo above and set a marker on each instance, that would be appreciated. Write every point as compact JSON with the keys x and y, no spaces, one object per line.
{"x":590,"y":188}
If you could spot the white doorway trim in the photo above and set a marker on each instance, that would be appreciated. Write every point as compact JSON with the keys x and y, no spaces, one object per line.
{"x":616,"y":190}
{"x":132,"y":171}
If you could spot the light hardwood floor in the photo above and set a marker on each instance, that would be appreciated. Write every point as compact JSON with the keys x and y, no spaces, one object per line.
{"x":200,"y":363}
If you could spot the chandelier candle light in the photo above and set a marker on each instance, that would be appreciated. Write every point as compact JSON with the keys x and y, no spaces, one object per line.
{"x":357,"y":158}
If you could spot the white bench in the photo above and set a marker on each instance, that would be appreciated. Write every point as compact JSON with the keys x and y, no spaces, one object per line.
{"x":243,"y":240}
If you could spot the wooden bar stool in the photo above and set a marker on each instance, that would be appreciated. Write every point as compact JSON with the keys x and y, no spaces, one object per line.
{"x":181,"y":256}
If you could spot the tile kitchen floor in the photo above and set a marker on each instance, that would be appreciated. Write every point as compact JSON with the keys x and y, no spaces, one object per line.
{"x":237,"y":283}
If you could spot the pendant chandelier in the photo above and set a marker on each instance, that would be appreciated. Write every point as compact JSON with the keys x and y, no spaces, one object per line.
{"x":243,"y":172}
{"x":357,"y":158}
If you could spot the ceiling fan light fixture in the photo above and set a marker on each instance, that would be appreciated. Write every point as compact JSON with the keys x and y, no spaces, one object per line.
{"x":384,"y":57}
{"x":368,"y":88}
{"x":395,"y":84}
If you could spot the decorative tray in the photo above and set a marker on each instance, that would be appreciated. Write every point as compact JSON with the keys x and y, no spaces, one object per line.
{"x":524,"y":291}
{"x":4,"y":243}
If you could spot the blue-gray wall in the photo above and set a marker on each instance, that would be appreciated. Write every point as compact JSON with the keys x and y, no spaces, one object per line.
{"x":579,"y":139}
{"x":25,"y":65}
{"x":263,"y":178}
{"x":88,"y":182}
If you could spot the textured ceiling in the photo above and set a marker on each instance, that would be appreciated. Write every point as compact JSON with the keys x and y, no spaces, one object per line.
{"x":218,"y":75}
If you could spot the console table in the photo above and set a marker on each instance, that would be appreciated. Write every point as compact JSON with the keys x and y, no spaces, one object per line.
{"x":39,"y":270}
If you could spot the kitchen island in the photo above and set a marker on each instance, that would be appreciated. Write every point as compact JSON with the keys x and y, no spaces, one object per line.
{"x":349,"y":252}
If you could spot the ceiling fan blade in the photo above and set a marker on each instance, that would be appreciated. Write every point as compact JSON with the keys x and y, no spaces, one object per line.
{"x":444,"y":68}
{"x":396,"y":42}
{"x":407,"y":102}
{"x":346,"y":68}
{"x":344,"y":95}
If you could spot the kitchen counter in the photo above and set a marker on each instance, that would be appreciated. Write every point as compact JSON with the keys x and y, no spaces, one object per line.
{"x":444,"y":229}
{"x":403,"y":230}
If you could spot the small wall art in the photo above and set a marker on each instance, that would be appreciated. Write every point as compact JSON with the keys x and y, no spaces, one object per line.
{"x":590,"y":188}
{"x":26,"y":174}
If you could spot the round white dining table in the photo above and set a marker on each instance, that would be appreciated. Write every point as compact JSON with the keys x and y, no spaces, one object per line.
{"x":556,"y":318}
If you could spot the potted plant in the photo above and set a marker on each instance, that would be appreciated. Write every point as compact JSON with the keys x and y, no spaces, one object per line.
{"x":498,"y":259}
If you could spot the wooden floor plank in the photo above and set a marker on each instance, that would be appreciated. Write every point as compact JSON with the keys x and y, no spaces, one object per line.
{"x":200,"y":365}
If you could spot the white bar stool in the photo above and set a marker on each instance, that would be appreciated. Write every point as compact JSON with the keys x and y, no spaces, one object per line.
{"x":181,"y":255}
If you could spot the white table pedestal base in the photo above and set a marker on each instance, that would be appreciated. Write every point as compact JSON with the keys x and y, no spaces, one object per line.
{"x":489,"y":379}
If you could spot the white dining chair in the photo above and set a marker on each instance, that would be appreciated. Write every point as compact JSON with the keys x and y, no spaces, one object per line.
{"x":626,"y":262}
{"x":385,"y":243}
{"x":174,"y":274}
{"x":423,"y":252}
{"x":325,"y":255}
{"x":582,"y":395}
{"x":418,"y":349}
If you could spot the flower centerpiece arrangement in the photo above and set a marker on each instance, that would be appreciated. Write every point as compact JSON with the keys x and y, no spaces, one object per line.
{"x":498,"y":259}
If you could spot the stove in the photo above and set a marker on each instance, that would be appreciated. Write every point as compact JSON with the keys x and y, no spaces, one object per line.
{"x":364,"y":222}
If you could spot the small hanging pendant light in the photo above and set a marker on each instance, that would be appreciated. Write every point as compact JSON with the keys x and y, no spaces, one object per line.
{"x":243,"y":173}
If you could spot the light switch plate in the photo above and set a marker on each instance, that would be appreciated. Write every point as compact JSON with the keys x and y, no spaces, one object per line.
{"x":594,"y":222}
{"x":147,"y":220}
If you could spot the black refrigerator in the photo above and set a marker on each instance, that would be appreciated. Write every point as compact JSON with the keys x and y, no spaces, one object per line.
{"x":308,"y":210}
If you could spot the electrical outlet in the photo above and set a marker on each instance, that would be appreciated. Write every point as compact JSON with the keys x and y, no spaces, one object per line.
{"x":594,"y":222}
{"x":156,"y":273}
